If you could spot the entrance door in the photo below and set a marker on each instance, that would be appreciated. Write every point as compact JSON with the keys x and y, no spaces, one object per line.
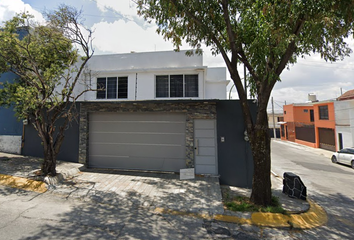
{"x":205,"y":146}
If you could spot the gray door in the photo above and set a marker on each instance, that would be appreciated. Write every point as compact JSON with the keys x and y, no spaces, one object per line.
{"x":145,"y":141}
{"x":205,"y":147}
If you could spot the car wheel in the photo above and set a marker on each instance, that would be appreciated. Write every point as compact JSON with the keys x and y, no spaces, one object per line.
{"x":334,"y":159}
{"x":353,"y":164}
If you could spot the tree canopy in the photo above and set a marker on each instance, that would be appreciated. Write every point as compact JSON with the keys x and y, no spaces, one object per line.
{"x":46,"y":60}
{"x":266,"y":36}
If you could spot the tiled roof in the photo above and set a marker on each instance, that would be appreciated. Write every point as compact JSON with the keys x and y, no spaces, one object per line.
{"x":347,"y":95}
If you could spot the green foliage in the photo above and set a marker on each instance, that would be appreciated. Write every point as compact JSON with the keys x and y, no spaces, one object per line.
{"x":40,"y":59}
{"x":243,"y":204}
{"x":267,"y":36}
{"x":46,"y":61}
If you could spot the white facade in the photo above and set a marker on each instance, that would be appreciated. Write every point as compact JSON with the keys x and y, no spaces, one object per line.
{"x":344,"y":115}
{"x":141,"y":70}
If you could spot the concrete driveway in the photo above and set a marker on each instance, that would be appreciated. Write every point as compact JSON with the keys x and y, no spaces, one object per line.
{"x":154,"y":190}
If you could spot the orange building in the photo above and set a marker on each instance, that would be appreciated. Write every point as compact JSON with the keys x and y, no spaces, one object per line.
{"x":311,"y":124}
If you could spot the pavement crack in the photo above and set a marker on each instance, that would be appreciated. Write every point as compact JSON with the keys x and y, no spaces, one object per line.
{"x":90,"y":189}
{"x":18,"y":216}
{"x":37,"y":195}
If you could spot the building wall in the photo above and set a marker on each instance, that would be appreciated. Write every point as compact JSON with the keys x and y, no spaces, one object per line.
{"x":193,"y":110}
{"x":69,"y":151}
{"x":302,"y":114}
{"x":271,"y":124}
{"x":299,"y":117}
{"x":215,"y":83}
{"x":234,"y":153}
{"x":344,"y":119}
{"x":10,"y":126}
{"x":328,"y":123}
{"x":296,"y":116}
{"x":288,"y":113}
{"x":142,"y":68}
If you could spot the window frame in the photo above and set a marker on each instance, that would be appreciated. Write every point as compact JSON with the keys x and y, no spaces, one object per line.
{"x":184,"y":87}
{"x":323,"y":112}
{"x":108,"y":92}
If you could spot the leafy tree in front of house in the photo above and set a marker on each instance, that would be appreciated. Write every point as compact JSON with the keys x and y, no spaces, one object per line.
{"x":48,"y":65}
{"x":267,"y":37}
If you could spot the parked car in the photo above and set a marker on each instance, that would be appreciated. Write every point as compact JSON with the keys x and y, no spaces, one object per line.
{"x":345,"y":156}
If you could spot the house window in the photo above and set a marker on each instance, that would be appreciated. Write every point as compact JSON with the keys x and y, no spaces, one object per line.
{"x":112,"y":88}
{"x":312,"y":116}
{"x":284,"y":112}
{"x":173,"y":86}
{"x":306,"y":110}
{"x":280,"y":119}
{"x":323,"y":110}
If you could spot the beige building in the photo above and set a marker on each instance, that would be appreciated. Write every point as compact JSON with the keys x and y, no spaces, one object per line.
{"x":278,"y":118}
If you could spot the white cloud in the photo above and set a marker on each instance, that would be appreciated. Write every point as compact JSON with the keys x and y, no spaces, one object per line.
{"x":122,"y":37}
{"x":126,"y":7}
{"x":9,"y":8}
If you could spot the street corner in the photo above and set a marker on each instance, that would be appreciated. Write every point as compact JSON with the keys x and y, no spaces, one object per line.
{"x":316,"y":216}
{"x":23,"y":183}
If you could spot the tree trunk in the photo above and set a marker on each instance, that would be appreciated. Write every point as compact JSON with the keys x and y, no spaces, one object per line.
{"x":260,"y":144}
{"x":49,"y":164}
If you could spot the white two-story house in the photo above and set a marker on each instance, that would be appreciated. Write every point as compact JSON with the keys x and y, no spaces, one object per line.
{"x":149,"y":112}
{"x":154,"y":76}
{"x":157,"y":111}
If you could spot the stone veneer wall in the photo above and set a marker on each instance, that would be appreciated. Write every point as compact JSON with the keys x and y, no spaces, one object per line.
{"x":192,"y":109}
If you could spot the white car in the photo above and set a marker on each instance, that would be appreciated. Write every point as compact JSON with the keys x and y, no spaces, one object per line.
{"x":345,"y":156}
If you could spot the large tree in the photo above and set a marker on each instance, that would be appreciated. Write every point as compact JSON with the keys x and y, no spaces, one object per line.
{"x":49,"y":60}
{"x":266,"y":36}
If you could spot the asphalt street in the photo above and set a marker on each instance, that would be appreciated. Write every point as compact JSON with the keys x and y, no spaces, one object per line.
{"x":27,"y":215}
{"x":328,"y":184}
{"x":30,"y":215}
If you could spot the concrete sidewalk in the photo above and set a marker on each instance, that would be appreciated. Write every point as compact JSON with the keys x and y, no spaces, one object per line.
{"x":201,"y":195}
{"x":162,"y":193}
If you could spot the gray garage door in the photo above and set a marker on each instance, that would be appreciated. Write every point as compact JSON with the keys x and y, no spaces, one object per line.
{"x":145,"y":141}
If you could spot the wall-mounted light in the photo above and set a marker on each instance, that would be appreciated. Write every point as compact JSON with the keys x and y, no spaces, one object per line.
{"x":246,"y":136}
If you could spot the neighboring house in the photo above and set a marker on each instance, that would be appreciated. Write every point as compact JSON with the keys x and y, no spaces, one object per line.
{"x":278,"y":118}
{"x":344,"y":112}
{"x":311,"y":124}
{"x":159,"y":111}
{"x":10,"y":127}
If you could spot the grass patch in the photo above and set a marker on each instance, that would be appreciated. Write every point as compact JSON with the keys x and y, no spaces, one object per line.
{"x":243,"y":204}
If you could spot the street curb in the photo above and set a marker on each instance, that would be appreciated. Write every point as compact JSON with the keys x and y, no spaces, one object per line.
{"x":23,"y":183}
{"x":315,"y":217}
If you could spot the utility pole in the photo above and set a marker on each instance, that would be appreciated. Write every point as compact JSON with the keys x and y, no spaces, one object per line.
{"x":274,"y":132}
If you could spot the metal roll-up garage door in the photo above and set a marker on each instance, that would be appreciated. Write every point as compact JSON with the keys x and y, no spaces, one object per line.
{"x":327,"y":139}
{"x":143,"y":141}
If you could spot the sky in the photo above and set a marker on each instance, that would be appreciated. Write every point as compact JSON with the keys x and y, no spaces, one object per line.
{"x":118,"y":29}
